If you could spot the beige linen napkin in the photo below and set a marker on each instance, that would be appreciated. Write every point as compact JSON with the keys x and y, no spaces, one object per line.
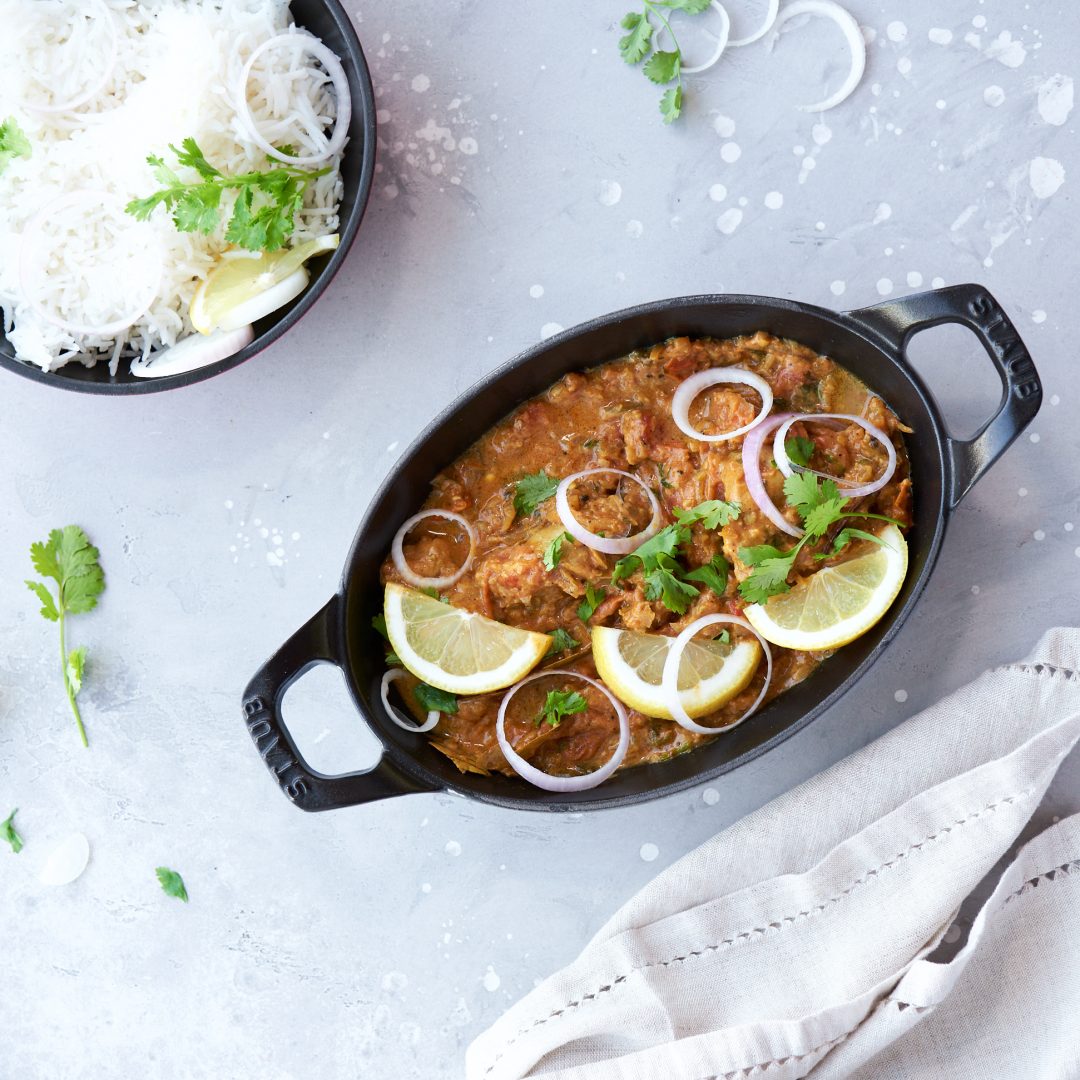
{"x":796,"y":942}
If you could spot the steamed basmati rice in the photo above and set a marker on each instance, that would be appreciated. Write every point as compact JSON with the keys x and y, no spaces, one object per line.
{"x":176,"y":65}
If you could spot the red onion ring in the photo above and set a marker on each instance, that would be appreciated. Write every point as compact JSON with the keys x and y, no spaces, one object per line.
{"x":107,"y":70}
{"x":563,"y":783}
{"x":341,"y":93}
{"x":607,"y":545}
{"x":751,"y":463}
{"x":850,"y":491}
{"x":669,"y":681}
{"x":415,"y":579}
{"x":29,"y":260}
{"x":690,"y":388}
{"x":432,"y":717}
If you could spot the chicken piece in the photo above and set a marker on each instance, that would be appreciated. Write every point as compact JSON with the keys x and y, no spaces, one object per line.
{"x":636,"y":428}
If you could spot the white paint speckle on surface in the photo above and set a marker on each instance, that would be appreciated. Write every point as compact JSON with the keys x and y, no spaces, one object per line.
{"x":903,"y":65}
{"x":724,"y":126}
{"x":1035,"y":437}
{"x":536,"y":291}
{"x":1039,"y":534}
{"x":774,"y":200}
{"x":710,"y":796}
{"x":421,"y":84}
{"x":900,"y":696}
{"x":452,"y":847}
{"x":821,"y":133}
{"x":729,"y":220}
{"x":937,"y":283}
{"x":838,"y":288}
{"x":468,"y":145}
{"x":994,"y":96}
{"x":491,"y":980}
{"x":940,"y":36}
{"x":884,"y":286}
{"x":1055,"y":98}
{"x":1038,"y":316}
{"x":1007,"y":51}
{"x":634,"y":229}
{"x":882,"y":213}
{"x":718,"y":193}
{"x":609,"y":192}
{"x":896,"y":31}
{"x":914,"y":279}
{"x":550,"y":329}
{"x":649,"y":852}
{"x":975,"y":590}
{"x":1055,"y":399}
{"x":1046,"y":176}
{"x":730,"y":152}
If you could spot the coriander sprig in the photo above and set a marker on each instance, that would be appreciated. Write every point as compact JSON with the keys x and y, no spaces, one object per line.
{"x":263,"y":214}
{"x":69,"y":559}
{"x":560,"y":703}
{"x":820,"y":505}
{"x":661,"y":67}
{"x":13,"y":142}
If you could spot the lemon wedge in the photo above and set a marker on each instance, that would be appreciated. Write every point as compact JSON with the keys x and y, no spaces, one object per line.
{"x":244,"y":287}
{"x":710,"y":675}
{"x":837,"y":604}
{"x":454,"y":650}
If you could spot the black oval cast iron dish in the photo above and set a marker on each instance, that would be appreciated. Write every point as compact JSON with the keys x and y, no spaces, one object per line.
{"x":327,"y":20}
{"x":869,"y":342}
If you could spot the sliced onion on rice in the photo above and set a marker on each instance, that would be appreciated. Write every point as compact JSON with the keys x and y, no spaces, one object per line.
{"x":341,"y":93}
{"x":563,"y":783}
{"x":418,"y":581}
{"x":669,"y":682}
{"x":607,"y":545}
{"x":851,"y":491}
{"x":194,"y":352}
{"x":852,"y":37}
{"x":751,"y":463}
{"x":690,"y":388}
{"x":402,"y":722}
{"x":770,"y":18}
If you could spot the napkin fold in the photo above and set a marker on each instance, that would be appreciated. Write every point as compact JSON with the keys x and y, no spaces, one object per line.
{"x":798,"y":941}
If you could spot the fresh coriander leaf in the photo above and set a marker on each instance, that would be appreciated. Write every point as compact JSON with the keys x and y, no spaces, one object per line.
{"x":378,"y":623}
{"x":8,"y":833}
{"x":804,"y":491}
{"x":724,"y":637}
{"x":561,"y":703}
{"x":691,"y":7}
{"x":671,"y":104}
{"x":637,"y":43}
{"x":561,"y":642}
{"x":193,"y":158}
{"x":587,"y":607}
{"x":427,"y":590}
{"x":196,"y":209}
{"x":392,"y":659}
{"x":845,"y":536}
{"x":76,"y":664}
{"x":553,"y":552}
{"x":531,"y":491}
{"x":713,"y":574}
{"x":768,"y":578}
{"x":13,"y":143}
{"x":662,"y":67}
{"x":800,"y":450}
{"x":431,"y":697}
{"x":662,"y":584}
{"x":818,"y":520}
{"x":285,"y":150}
{"x":172,"y":884}
{"x":69,"y":559}
{"x":713,"y":514}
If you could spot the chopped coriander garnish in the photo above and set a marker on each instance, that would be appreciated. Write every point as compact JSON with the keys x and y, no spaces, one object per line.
{"x":665,"y":483}
{"x":432,"y":698}
{"x":714,"y":574}
{"x":820,"y":506}
{"x":588,"y":606}
{"x":8,"y":833}
{"x":71,"y":561}
{"x":13,"y":142}
{"x":800,"y":450}
{"x":588,"y":444}
{"x":553,"y":552}
{"x":661,"y":67}
{"x":531,"y":491}
{"x":664,"y":576}
{"x":561,"y":703}
{"x":379,"y":623}
{"x":724,"y":637}
{"x":196,"y":206}
{"x":172,"y":884}
{"x":561,"y":641}
{"x":713,"y":514}
{"x":427,"y":590}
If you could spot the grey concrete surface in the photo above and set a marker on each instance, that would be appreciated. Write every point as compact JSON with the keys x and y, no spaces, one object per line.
{"x":525,"y":182}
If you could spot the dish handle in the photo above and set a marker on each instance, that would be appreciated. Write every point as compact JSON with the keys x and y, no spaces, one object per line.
{"x":310,"y":790}
{"x":971,"y":306}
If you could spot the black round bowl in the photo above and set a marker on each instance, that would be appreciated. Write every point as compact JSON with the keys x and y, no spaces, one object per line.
{"x":870,"y":342}
{"x":328,"y":21}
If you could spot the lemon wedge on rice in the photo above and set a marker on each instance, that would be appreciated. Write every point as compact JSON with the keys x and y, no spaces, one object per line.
{"x":710,"y":675}
{"x":244,"y":286}
{"x":837,"y":604}
{"x":455,"y":650}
